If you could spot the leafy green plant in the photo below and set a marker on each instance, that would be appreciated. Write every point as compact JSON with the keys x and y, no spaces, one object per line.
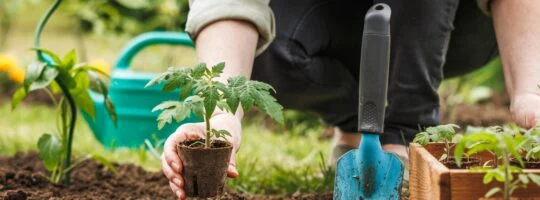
{"x":504,"y":143}
{"x":72,"y":81}
{"x":128,"y":17}
{"x":201,"y":94}
{"x":441,"y":133}
{"x":532,"y":145}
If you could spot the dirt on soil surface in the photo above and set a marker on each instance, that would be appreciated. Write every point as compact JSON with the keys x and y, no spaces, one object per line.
{"x":493,"y":111}
{"x":466,"y":163}
{"x":529,"y":164}
{"x":23,"y":177}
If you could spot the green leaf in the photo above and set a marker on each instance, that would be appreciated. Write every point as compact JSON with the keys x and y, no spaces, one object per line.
{"x":220,"y":133}
{"x":218,"y":69}
{"x":198,"y":109}
{"x":88,"y":68}
{"x":33,"y":72}
{"x":198,"y":71}
{"x":182,"y":112}
{"x":223,"y":106}
{"x":534,"y":178}
{"x":165,"y":105}
{"x":174,"y":83}
{"x":492,"y":192}
{"x":50,"y":150}
{"x":211,"y":97}
{"x":421,"y":138}
{"x":185,"y":90}
{"x":48,"y":75}
{"x":111,"y":110}
{"x":105,"y":162}
{"x":488,"y":177}
{"x":50,"y":54}
{"x":459,"y":150}
{"x":165,"y":116}
{"x":524,"y":179}
{"x":66,"y":79}
{"x":69,"y":60}
{"x":18,"y":96}
{"x":85,"y":103}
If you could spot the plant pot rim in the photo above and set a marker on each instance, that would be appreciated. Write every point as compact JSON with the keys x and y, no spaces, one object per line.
{"x":181,"y":145}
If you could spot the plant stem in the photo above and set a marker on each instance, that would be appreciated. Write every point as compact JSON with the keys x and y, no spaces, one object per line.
{"x":65,"y":90}
{"x":447,"y":150}
{"x":73,"y":109}
{"x":207,"y":121}
{"x":506,"y":167}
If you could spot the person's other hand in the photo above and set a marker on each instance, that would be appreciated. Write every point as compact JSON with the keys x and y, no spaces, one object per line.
{"x":525,"y":109}
{"x":171,"y":163}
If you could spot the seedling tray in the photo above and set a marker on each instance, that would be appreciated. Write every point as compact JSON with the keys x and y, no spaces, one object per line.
{"x":430,"y":179}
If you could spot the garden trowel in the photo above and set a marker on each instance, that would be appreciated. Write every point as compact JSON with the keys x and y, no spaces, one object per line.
{"x":369,"y":172}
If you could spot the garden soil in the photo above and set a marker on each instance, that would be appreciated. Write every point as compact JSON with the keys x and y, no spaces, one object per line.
{"x":23,"y":177}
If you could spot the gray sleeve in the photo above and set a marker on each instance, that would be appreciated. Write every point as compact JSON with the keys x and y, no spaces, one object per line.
{"x":485,"y":6}
{"x":258,"y":12}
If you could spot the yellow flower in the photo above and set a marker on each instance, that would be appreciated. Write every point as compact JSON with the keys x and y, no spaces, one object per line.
{"x":17,"y":75}
{"x":101,"y":64}
{"x":7,"y":63}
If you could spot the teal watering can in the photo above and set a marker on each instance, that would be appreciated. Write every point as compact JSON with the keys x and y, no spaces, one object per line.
{"x":134,"y":102}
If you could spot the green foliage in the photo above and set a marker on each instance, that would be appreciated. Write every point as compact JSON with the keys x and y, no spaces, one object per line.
{"x":441,"y":133}
{"x":72,"y":81}
{"x":201,"y":94}
{"x":505,"y":143}
{"x":129,"y":17}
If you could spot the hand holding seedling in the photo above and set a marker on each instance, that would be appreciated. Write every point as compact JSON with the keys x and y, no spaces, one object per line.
{"x":215,"y":102}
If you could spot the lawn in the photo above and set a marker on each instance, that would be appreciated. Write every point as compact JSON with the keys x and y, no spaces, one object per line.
{"x":268,"y":163}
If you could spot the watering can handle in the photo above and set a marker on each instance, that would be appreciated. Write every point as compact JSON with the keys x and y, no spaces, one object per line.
{"x":147,"y":39}
{"x":374,"y":67}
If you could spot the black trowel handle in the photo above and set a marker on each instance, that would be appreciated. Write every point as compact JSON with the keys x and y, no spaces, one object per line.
{"x":374,"y":67}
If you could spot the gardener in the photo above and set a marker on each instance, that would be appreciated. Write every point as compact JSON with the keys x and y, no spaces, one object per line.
{"x":309,"y":51}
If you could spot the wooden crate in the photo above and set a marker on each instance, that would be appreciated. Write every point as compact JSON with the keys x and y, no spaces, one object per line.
{"x":431,"y":180}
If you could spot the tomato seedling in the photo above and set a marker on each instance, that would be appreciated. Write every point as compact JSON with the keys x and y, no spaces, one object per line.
{"x":441,"y":133}
{"x":201,"y":95}
{"x":504,"y":143}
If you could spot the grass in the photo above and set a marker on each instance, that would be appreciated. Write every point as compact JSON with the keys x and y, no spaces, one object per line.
{"x":268,"y":163}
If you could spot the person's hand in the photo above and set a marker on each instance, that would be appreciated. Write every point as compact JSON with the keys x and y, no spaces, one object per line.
{"x":171,"y":163}
{"x":525,"y":109}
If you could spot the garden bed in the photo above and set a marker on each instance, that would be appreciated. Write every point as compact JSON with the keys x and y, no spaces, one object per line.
{"x":23,"y":177}
{"x":430,"y":179}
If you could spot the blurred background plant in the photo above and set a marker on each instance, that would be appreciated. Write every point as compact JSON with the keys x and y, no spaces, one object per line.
{"x":131,"y":17}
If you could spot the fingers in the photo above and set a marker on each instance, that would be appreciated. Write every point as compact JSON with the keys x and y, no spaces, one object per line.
{"x":171,"y":174}
{"x":232,"y":172}
{"x":183,"y":133}
{"x":177,"y":191}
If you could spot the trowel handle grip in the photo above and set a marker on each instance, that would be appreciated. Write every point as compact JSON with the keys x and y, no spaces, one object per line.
{"x":147,"y":39}
{"x":374,"y":67}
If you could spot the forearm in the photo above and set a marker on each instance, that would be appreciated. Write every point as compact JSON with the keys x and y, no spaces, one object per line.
{"x":233,"y":42}
{"x":517,"y":26}
{"x":230,"y":41}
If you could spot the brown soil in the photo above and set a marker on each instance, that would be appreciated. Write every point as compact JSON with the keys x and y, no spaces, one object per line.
{"x":529,"y":164}
{"x":494,"y":111}
{"x":23,"y":177}
{"x":466,"y":163}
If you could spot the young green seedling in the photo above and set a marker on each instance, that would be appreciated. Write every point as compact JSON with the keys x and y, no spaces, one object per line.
{"x":504,"y":143}
{"x":72,"y":81}
{"x":532,"y":146}
{"x":441,"y":133}
{"x":201,"y":94}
